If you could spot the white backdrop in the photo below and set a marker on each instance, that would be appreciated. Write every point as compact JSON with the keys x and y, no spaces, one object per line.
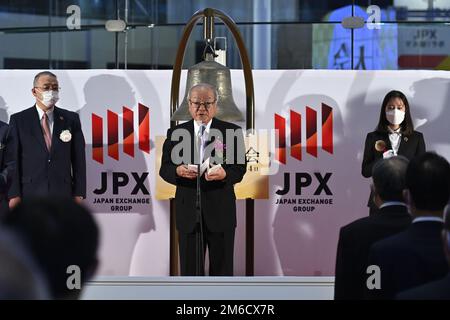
{"x":286,"y":242}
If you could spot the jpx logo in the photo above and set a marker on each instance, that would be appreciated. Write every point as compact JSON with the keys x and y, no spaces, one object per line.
{"x":296,"y":133}
{"x":113,"y":133}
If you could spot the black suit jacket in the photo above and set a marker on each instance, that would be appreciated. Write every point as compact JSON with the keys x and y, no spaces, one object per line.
{"x":355,"y":240}
{"x":410,"y":147}
{"x":6,"y":167}
{"x":409,"y":259}
{"x":60,"y":172}
{"x":218,"y":197}
{"x":436,"y":290}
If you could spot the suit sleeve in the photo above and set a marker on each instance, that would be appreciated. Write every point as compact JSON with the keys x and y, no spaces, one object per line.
{"x":168,"y":170}
{"x":11,"y":159}
{"x":368,"y":157}
{"x":6,"y":169}
{"x":420,"y":145}
{"x":380,"y":257}
{"x":78,"y":159}
{"x":236,"y":171}
{"x":339,"y":280}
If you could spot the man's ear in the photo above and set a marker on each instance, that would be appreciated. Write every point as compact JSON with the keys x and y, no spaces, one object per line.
{"x":375,"y":195}
{"x":408,"y":200}
{"x":406,"y":196}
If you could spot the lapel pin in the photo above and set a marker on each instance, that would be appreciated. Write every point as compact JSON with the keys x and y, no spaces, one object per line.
{"x":61,"y":118}
{"x":406,"y":139}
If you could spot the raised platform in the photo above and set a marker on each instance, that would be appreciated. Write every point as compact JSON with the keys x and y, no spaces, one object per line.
{"x":210,"y":288}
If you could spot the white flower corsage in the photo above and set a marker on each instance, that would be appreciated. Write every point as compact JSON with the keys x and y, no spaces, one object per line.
{"x":65,"y":136}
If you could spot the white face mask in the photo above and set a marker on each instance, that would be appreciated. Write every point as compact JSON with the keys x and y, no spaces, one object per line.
{"x":395,"y":116}
{"x":49,"y":98}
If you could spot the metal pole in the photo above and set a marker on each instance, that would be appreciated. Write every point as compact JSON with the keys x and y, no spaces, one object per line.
{"x":126,"y":37}
{"x":116,"y":34}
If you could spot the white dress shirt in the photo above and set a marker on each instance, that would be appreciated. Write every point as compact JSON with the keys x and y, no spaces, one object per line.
{"x":49,"y":115}
{"x":392,"y":203}
{"x":421,"y":219}
{"x":197,"y":128}
{"x":203,"y":138}
{"x":395,"y":138}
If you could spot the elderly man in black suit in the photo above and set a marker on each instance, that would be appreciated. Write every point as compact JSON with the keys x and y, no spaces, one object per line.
{"x":416,"y":255}
{"x":218,"y":200}
{"x":48,"y":147}
{"x":439,"y":289}
{"x":356,"y":238}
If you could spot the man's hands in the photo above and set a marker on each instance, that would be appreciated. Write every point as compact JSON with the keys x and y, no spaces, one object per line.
{"x":218,"y":174}
{"x":78,"y":199}
{"x":184,"y":172}
{"x":14,"y":202}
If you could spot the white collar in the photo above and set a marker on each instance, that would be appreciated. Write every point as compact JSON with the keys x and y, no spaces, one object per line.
{"x":392,"y":203}
{"x":421,"y":219}
{"x":48,"y":112}
{"x":398,"y":131}
{"x":197,"y":127}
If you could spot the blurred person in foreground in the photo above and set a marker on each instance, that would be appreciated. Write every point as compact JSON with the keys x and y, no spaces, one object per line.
{"x":20,"y":277}
{"x":439,"y":289}
{"x":416,"y":255}
{"x":60,"y":235}
{"x":356,"y":238}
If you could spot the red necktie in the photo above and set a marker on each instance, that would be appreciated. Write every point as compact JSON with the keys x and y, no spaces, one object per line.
{"x":46,"y":130}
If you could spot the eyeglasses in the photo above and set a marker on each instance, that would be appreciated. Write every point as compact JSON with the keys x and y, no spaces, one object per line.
{"x":46,"y":88}
{"x":206,"y":104}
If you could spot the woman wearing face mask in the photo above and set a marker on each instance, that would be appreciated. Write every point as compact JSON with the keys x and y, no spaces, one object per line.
{"x":394,"y":135}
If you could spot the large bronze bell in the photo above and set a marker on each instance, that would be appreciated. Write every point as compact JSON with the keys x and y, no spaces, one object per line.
{"x":218,"y":75}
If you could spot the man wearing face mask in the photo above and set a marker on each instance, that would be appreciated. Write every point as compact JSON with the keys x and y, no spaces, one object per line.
{"x":47,"y":147}
{"x":394,"y":135}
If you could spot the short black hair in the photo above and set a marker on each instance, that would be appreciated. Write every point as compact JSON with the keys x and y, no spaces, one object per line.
{"x":407,"y":126}
{"x":58,"y":233}
{"x":388,"y":177}
{"x":428,"y":180}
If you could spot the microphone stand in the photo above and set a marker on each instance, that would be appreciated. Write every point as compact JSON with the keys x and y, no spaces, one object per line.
{"x":200,"y":259}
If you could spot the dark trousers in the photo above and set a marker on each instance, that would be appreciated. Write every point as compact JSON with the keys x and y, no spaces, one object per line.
{"x":220,"y":248}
